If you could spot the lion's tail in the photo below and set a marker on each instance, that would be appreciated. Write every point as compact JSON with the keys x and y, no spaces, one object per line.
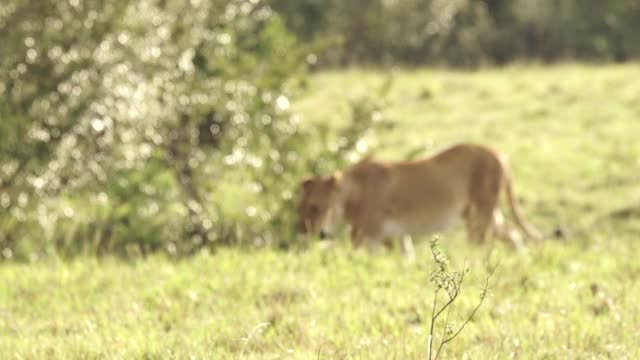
{"x":529,"y":231}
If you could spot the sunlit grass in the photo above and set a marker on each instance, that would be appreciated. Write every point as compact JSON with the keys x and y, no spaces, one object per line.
{"x":556,"y":300}
{"x":571,"y":134}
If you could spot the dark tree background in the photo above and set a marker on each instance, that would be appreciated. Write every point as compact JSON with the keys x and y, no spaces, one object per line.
{"x":466,"y":32}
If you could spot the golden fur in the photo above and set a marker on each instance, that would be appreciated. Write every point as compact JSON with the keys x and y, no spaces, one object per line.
{"x":387,"y":199}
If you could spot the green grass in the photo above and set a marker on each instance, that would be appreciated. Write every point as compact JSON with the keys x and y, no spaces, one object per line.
{"x":571,"y":132}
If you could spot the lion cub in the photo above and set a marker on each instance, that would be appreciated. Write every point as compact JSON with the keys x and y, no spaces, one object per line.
{"x":388,"y":199}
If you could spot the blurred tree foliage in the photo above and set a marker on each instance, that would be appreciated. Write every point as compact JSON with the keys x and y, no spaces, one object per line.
{"x":134,"y":126}
{"x":466,"y":32}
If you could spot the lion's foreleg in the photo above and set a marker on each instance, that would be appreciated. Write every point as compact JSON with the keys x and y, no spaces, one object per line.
{"x":408,"y":249}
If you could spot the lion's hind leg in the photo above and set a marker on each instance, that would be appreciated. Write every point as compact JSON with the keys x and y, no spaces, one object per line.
{"x":404,"y":246}
{"x":503,"y":231}
{"x":479,"y":224}
{"x":486,"y":182}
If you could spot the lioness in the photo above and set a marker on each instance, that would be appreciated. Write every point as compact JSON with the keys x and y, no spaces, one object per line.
{"x":388,"y":199}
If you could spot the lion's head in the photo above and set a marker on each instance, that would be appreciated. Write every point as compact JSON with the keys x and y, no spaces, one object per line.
{"x":316,"y":205}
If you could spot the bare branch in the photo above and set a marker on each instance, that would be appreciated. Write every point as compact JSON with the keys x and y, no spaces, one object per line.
{"x":444,"y":332}
{"x":452,"y":298}
{"x":483,"y":297}
{"x":452,"y":283}
{"x":433,"y":320}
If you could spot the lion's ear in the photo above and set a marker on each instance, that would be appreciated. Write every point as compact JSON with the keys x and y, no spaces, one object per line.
{"x":306,"y":184}
{"x":334,"y":180}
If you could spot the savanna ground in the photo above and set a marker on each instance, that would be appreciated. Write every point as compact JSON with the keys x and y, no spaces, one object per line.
{"x":571,"y":132}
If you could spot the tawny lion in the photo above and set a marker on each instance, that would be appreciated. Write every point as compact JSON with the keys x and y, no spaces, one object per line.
{"x":388,"y":199}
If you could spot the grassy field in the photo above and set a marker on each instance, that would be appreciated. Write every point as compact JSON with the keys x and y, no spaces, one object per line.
{"x":571,"y":132}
